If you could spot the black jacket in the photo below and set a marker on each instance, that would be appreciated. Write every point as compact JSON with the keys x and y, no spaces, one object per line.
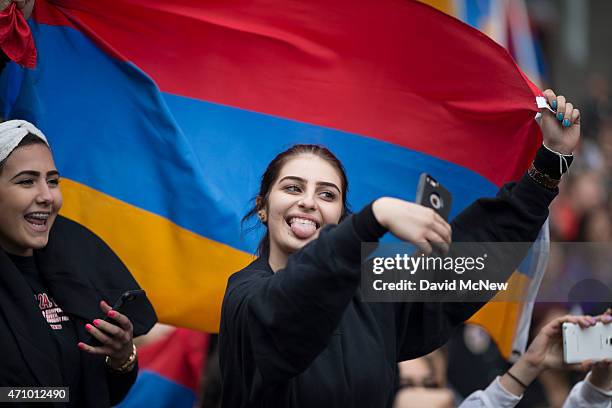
{"x":302,"y":337}
{"x":79,"y":270}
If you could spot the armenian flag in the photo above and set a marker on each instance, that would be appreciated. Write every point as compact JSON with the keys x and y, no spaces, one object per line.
{"x":163,"y":115}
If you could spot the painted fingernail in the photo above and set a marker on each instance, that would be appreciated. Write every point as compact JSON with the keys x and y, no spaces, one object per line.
{"x":560,"y":115}
{"x":96,"y":322}
{"x":607,"y":318}
{"x":592,"y":320}
{"x":566,"y":122}
{"x":81,"y":346}
{"x":111,"y":313}
{"x":554,"y":104}
{"x":88,"y":327}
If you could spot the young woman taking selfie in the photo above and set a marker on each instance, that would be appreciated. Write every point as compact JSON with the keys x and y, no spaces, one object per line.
{"x":294,"y":330}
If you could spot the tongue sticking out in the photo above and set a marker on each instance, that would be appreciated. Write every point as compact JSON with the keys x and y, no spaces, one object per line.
{"x":303,"y":231}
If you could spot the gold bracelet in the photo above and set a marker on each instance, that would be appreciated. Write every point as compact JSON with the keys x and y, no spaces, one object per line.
{"x":542,"y":178}
{"x":128,"y":365}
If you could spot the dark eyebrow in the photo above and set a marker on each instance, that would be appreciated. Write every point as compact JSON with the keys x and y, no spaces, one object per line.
{"x":301,"y":180}
{"x":298,"y":179}
{"x":328,"y":184}
{"x":35,"y":173}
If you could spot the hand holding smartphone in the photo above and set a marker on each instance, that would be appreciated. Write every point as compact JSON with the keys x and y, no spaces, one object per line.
{"x":432,"y":194}
{"x":128,"y":302}
{"x":582,"y":344}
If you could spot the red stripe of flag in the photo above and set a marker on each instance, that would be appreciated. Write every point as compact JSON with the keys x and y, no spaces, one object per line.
{"x":400,"y":72}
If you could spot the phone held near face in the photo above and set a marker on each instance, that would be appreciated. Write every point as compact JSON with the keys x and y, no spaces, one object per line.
{"x":591,"y":343}
{"x":432,"y":194}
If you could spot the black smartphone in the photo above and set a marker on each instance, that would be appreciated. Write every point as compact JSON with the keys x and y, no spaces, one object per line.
{"x":432,"y":194}
{"x":128,"y":302}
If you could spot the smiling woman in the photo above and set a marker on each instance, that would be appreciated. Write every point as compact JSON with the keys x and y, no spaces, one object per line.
{"x":308,"y":171}
{"x":295,"y":331}
{"x":54,"y":278}
{"x":304,"y":190}
{"x":30,"y":197}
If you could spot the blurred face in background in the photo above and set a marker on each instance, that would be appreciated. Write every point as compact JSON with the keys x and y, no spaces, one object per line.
{"x":598,"y":226}
{"x":605,"y":143}
{"x":421,"y":385}
{"x":587,"y":192}
{"x":418,"y":373}
{"x":30,"y":199}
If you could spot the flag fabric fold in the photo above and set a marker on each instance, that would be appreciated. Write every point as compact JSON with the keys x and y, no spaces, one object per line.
{"x":170,"y":367}
{"x":163,"y":115}
{"x":507,"y":23}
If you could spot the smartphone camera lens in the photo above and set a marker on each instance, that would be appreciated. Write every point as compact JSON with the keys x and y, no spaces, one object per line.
{"x":436,"y":201}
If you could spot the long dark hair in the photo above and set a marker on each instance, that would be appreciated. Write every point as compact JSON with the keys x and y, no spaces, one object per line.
{"x":271,"y":174}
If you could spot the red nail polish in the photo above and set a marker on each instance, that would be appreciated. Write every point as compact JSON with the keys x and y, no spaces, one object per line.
{"x":81,"y":346}
{"x":111,"y":313}
{"x":96,"y":322}
{"x":88,"y":327}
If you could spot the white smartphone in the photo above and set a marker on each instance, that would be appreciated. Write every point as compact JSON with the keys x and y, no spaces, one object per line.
{"x":593,"y":343}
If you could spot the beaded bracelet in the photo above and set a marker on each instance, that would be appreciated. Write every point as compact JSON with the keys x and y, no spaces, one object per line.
{"x":542,"y":178}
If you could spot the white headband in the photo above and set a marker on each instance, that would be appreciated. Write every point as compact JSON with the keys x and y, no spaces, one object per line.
{"x":12,"y":132}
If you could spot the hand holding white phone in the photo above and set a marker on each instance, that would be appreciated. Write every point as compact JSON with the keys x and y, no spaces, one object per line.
{"x":591,"y":343}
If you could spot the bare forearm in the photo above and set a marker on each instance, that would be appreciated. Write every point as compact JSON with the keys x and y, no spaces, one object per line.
{"x":523,"y":372}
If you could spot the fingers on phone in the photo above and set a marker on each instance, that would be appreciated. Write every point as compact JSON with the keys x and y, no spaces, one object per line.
{"x":108,"y":328}
{"x":90,"y":349}
{"x":443,"y":227}
{"x":97,"y":333}
{"x":121,"y":319}
{"x":605,"y":318}
{"x":103,"y":351}
{"x":586,"y":321}
{"x":108,"y":334}
{"x":105,"y":306}
{"x":582,"y":321}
